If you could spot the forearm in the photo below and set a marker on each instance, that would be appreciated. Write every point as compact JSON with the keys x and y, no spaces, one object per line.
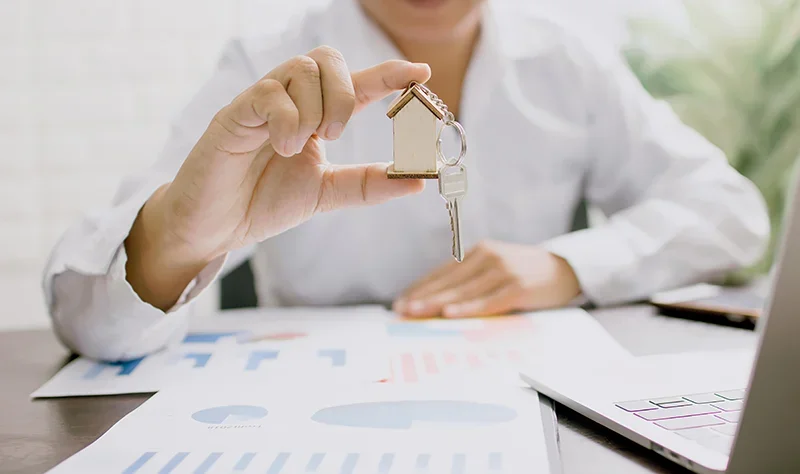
{"x":666,"y":241}
{"x":159,"y":268}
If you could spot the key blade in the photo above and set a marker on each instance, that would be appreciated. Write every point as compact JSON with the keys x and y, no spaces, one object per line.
{"x":455,"y":226}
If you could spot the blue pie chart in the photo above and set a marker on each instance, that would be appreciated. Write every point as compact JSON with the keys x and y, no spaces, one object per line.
{"x":401,"y":415}
{"x":230,"y":414}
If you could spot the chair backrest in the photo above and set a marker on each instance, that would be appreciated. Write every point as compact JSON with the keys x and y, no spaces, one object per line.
{"x":238,"y":289}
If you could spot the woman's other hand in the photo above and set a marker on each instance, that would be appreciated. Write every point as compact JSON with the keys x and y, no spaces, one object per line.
{"x":494,"y":278}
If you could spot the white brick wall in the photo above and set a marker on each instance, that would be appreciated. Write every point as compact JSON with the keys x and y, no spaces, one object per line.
{"x":87,"y":90}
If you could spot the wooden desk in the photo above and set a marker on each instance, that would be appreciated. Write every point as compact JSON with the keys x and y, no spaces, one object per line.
{"x":37,"y":435}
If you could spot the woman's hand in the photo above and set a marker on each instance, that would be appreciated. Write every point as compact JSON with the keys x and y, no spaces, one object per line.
{"x":494,"y":278}
{"x":260,"y":169}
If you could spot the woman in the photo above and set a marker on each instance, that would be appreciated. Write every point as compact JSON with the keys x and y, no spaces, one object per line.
{"x":549,"y":123}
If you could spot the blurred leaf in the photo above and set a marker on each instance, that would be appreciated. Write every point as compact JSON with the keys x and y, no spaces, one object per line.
{"x":733,"y":74}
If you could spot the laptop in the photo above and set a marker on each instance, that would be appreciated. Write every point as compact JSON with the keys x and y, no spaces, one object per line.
{"x":735,"y":412}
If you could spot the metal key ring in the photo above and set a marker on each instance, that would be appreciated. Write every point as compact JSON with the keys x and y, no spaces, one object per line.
{"x":462,"y":134}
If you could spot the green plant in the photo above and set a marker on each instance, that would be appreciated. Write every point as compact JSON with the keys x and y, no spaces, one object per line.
{"x":732,"y":71}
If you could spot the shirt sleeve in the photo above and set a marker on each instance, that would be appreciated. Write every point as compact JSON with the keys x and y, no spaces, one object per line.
{"x":678,"y":212}
{"x":93,"y":308}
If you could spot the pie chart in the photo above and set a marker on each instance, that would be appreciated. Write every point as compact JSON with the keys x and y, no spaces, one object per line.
{"x":402,"y":415}
{"x":230,"y":414}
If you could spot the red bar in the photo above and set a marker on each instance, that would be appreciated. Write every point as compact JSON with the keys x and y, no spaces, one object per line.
{"x":409,"y":368}
{"x":430,"y":363}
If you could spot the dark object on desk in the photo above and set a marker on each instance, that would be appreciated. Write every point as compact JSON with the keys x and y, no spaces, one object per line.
{"x":738,"y":307}
{"x":237,"y":288}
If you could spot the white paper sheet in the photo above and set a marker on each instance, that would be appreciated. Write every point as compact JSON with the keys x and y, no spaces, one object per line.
{"x":274,"y":343}
{"x":366,"y":344}
{"x":458,"y":428}
{"x":432,"y":349}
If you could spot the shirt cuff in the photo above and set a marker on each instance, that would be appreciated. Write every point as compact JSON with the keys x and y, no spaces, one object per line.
{"x":598,"y":258}
{"x":195,"y":288}
{"x":153,"y":328}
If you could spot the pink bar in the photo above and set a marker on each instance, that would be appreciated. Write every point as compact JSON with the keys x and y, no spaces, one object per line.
{"x":430,"y":363}
{"x":409,"y":368}
{"x":450,"y":358}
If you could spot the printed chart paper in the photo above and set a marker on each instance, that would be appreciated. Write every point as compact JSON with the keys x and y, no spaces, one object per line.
{"x":354,"y":344}
{"x":432,"y":349}
{"x":460,"y":428}
{"x":270,"y":346}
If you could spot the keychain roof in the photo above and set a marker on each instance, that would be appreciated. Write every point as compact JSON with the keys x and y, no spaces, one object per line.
{"x":415,"y":90}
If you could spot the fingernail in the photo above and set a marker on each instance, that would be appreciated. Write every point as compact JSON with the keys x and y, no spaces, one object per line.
{"x":416,"y":306}
{"x":299,"y":144}
{"x":288,"y":147}
{"x":334,"y":130}
{"x":451,"y":311}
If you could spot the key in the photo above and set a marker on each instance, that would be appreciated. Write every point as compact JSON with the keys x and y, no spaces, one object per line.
{"x":452,"y":187}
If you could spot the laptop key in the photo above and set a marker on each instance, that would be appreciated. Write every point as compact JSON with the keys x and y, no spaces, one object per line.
{"x":732,"y":395}
{"x":636,"y":405}
{"x":689,"y":422}
{"x":729,"y":406}
{"x":696,"y":434}
{"x":667,"y":413}
{"x":671,"y":402}
{"x":731,"y":416}
{"x":721,"y":444}
{"x":704,"y":398}
{"x":728,"y":429}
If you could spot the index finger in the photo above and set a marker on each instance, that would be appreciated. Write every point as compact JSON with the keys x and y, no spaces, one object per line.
{"x":377,"y":82}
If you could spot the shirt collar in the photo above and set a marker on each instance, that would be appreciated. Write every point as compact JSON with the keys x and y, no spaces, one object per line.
{"x":364,"y":44}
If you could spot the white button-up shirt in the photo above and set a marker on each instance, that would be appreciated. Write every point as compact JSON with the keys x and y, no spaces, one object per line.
{"x":549,"y":123}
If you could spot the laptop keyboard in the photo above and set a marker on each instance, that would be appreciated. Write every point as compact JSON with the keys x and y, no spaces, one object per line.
{"x":707,"y":418}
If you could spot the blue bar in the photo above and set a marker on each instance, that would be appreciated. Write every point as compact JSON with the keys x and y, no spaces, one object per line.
{"x":206,"y":337}
{"x":349,"y":464}
{"x":208,"y":463}
{"x":338,"y":356}
{"x":133,"y":468}
{"x":244,"y":461}
{"x":257,"y":356}
{"x":385,"y":464}
{"x":422,"y":462}
{"x":314,"y":462}
{"x":126,"y":367}
{"x":200,"y":360}
{"x":496,"y":461}
{"x":173,"y":463}
{"x":459,"y":464}
{"x":278,"y":463}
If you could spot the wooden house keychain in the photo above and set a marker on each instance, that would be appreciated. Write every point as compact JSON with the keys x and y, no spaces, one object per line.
{"x":415,"y":115}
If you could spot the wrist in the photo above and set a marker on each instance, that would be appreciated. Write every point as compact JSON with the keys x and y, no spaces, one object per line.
{"x":569,"y":284}
{"x":160,"y":265}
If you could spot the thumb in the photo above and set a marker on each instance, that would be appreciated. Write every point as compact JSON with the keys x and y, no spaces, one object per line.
{"x":377,"y":82}
{"x":361,"y":185}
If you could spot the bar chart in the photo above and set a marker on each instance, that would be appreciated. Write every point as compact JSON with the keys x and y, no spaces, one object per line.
{"x":317,"y":462}
{"x":471,"y":330}
{"x":421,"y":365}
